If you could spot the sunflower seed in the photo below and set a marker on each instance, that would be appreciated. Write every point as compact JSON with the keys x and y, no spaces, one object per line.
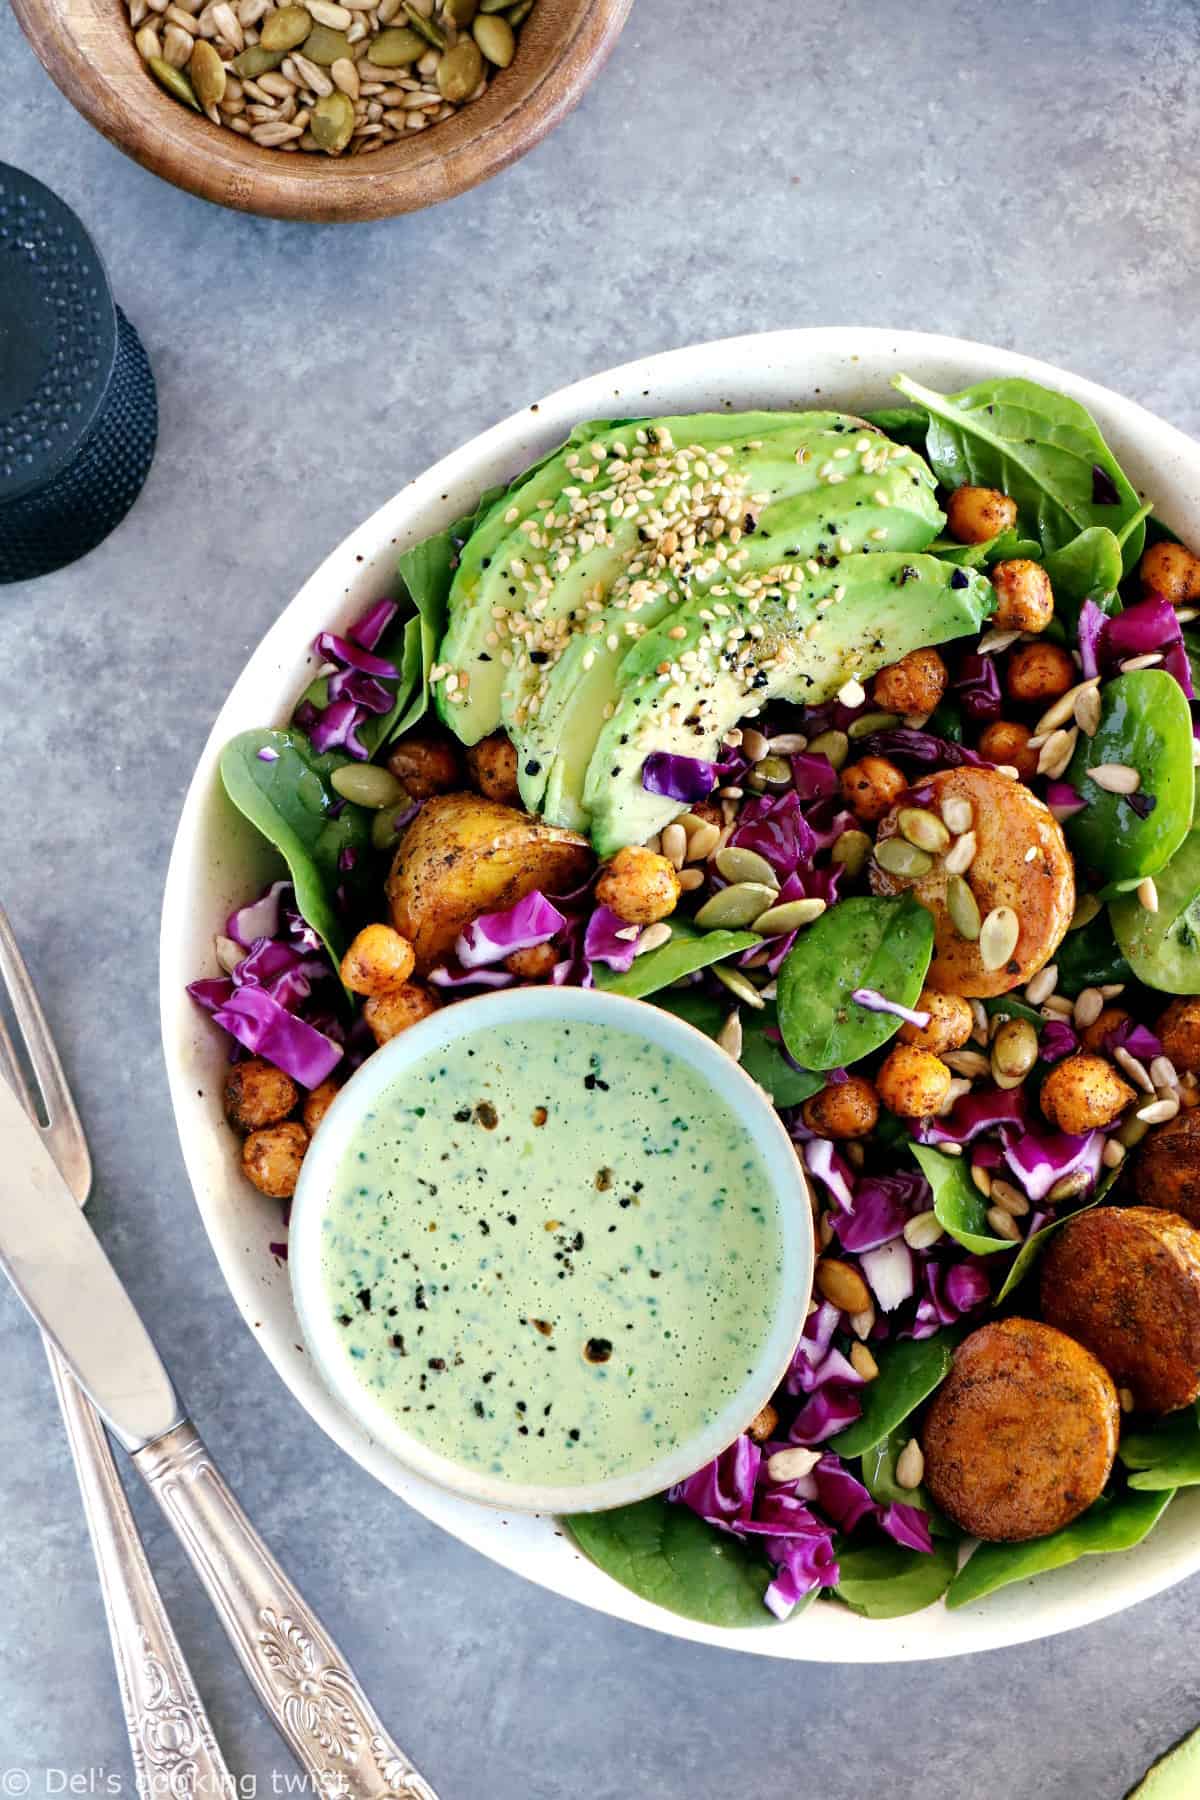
{"x":345,"y":77}
{"x":958,"y":813}
{"x":967,"y":1062}
{"x":1116,"y":778}
{"x":1057,"y":1006}
{"x":922,"y":1230}
{"x":1003,"y":1224}
{"x":1089,"y":1004}
{"x":910,"y":1466}
{"x":312,"y":76}
{"x":730,"y":1035}
{"x":979,"y":1026}
{"x":1057,"y":752}
{"x":1113,"y":1154}
{"x":755,"y":744}
{"x":961,"y":854}
{"x":653,"y":938}
{"x":271,"y":136}
{"x":992,"y":642}
{"x":1136,"y":1071}
{"x":790,"y":743}
{"x":1087,"y":711}
{"x":1133,"y":663}
{"x":1163,"y":1073}
{"x":703,"y":841}
{"x":1062,"y":709}
{"x":1148,"y":894}
{"x":1042,"y":985}
{"x":998,"y":937}
{"x":862,"y":1324}
{"x":964,"y":912}
{"x":737,"y":864}
{"x":674,"y":845}
{"x":982,"y":1178}
{"x":1008,"y":1198}
{"x":792,"y":1465}
{"x":1159,"y":1111}
{"x":690,"y":880}
{"x":737,"y":984}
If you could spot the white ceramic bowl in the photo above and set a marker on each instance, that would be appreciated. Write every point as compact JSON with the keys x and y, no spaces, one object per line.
{"x":524,"y":1006}
{"x":218,"y":861}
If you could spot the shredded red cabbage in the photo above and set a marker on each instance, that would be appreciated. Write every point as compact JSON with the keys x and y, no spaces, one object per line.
{"x":974,"y":1113}
{"x":683,"y":778}
{"x":823,"y":1161}
{"x":1063,"y":800}
{"x":368,"y":629}
{"x":874,"y":1001}
{"x":606,"y":940}
{"x":1040,"y":1158}
{"x":978,"y":687}
{"x":1056,"y":1041}
{"x":883,"y":1205}
{"x":1139,"y":1040}
{"x":266,"y":1028}
{"x":493,"y":936}
{"x":260,"y":918}
{"x":814,"y":776}
{"x":888,"y":1272}
{"x":921,"y":747}
{"x":337,"y":649}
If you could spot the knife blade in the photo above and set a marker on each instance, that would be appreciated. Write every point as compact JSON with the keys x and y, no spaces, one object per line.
{"x":54,"y":1260}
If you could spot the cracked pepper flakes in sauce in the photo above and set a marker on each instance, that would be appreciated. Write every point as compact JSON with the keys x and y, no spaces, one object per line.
{"x":552,"y":1252}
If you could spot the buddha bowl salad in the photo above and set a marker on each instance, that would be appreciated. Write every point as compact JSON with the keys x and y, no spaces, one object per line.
{"x":866,"y":746}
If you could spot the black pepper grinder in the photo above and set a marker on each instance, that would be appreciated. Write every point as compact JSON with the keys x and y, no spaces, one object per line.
{"x":78,"y":410}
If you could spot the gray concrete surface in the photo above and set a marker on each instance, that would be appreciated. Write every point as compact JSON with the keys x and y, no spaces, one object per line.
{"x":1026,"y":175}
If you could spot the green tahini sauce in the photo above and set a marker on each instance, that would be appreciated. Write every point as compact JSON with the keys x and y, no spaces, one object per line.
{"x":552,"y":1252}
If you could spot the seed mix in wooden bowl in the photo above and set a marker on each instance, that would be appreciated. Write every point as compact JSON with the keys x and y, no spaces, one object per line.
{"x":326,"y":76}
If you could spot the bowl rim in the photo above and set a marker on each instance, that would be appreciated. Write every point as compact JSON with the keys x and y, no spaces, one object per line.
{"x":781,"y":368}
{"x":469,"y":1019}
{"x":207,"y":160}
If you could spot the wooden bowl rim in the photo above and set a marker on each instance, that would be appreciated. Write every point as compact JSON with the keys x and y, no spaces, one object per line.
{"x":217,"y":165}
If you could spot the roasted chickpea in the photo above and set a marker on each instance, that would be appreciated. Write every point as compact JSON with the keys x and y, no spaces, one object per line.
{"x":913,"y":685}
{"x":533,"y":964}
{"x":913,"y":1083}
{"x":1004,"y":741}
{"x":1092,"y":1036}
{"x":871,"y":786}
{"x":318,"y":1104}
{"x":708,"y":812}
{"x":1173,"y":572}
{"x":271,"y":1158}
{"x":378,"y":961}
{"x":1024,"y":597}
{"x":492,"y":767}
{"x":975,"y":514}
{"x":762,"y":1426}
{"x":1179,"y":1029}
{"x":426,"y":764}
{"x":1084,"y":1093}
{"x":950,"y":1023}
{"x":391,"y":1013}
{"x":258,"y":1094}
{"x":639,"y":885}
{"x":844,"y":1109}
{"x":1038,"y":673}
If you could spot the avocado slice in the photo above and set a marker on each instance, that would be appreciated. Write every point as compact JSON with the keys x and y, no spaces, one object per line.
{"x":785,"y":632}
{"x":552,"y":543}
{"x":1176,"y":1774}
{"x":814,"y":529}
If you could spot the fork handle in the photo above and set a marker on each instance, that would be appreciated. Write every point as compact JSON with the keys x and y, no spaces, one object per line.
{"x":297,"y":1670}
{"x":170,"y":1738}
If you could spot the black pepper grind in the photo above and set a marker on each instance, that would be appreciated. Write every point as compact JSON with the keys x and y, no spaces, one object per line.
{"x":78,"y":410}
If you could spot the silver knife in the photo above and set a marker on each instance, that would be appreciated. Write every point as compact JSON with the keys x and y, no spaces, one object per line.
{"x":55,"y":1262}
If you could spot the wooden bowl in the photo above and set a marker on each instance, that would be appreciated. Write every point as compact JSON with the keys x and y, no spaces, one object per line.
{"x":86,"y":46}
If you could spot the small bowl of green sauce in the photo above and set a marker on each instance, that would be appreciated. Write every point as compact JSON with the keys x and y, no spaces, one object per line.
{"x":552,"y":1249}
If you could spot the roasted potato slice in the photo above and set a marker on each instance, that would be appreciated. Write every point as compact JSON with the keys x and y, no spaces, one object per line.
{"x":1166,"y":1167}
{"x":1021,"y":1436}
{"x":1125,"y":1281}
{"x":464,"y":855}
{"x":1021,"y":861}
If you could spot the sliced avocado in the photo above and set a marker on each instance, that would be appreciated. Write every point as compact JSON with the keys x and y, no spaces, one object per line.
{"x":892,"y":508}
{"x":785,"y":632}
{"x":533,"y":555}
{"x":1176,"y":1774}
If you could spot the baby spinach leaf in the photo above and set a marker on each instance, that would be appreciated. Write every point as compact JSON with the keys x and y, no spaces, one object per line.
{"x":909,"y":1371}
{"x":1088,"y":568}
{"x":1163,"y":947}
{"x":687,"y":951}
{"x":1165,"y":1454}
{"x":1089,"y":957}
{"x":1037,"y":446}
{"x":878,"y":1468}
{"x":1145,"y":724}
{"x":904,"y":424}
{"x":959,"y":1206}
{"x":288,"y":798}
{"x":1009,"y":1007}
{"x":761,"y":1057}
{"x":1003,"y":548}
{"x":1035,"y":1243}
{"x":669,"y":1556}
{"x":885,"y":1581}
{"x":400,"y":645}
{"x":862,"y":942}
{"x":1114,"y":1522}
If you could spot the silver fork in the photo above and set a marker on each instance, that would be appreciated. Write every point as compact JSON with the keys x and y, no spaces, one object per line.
{"x":170,"y":1738}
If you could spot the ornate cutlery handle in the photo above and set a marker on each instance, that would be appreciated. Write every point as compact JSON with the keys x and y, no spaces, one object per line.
{"x":174,"y":1750}
{"x":296,"y":1668}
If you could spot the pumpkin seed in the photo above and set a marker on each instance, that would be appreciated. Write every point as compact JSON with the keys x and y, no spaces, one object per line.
{"x":772,"y":771}
{"x":737,"y":984}
{"x":851,"y":850}
{"x":730,"y":1036}
{"x":834,"y":746}
{"x":332,"y":123}
{"x":736,"y":864}
{"x":175,"y":82}
{"x":460,"y":71}
{"x":325,"y":47}
{"x":256,"y":61}
{"x":424,"y":27}
{"x":963,"y":908}
{"x":1068,"y":1186}
{"x":208,"y":73}
{"x":735,"y":906}
{"x":366,"y":784}
{"x":385,"y":826}
{"x":922,"y":828}
{"x":285,"y":28}
{"x":998,"y":937}
{"x":899,"y":857}
{"x":396,"y":48}
{"x":517,"y":15}
{"x":788,"y":917}
{"x":1086,"y":909}
{"x":1014,"y":1049}
{"x":866,"y":723}
{"x":460,"y":12}
{"x":492,"y":6}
